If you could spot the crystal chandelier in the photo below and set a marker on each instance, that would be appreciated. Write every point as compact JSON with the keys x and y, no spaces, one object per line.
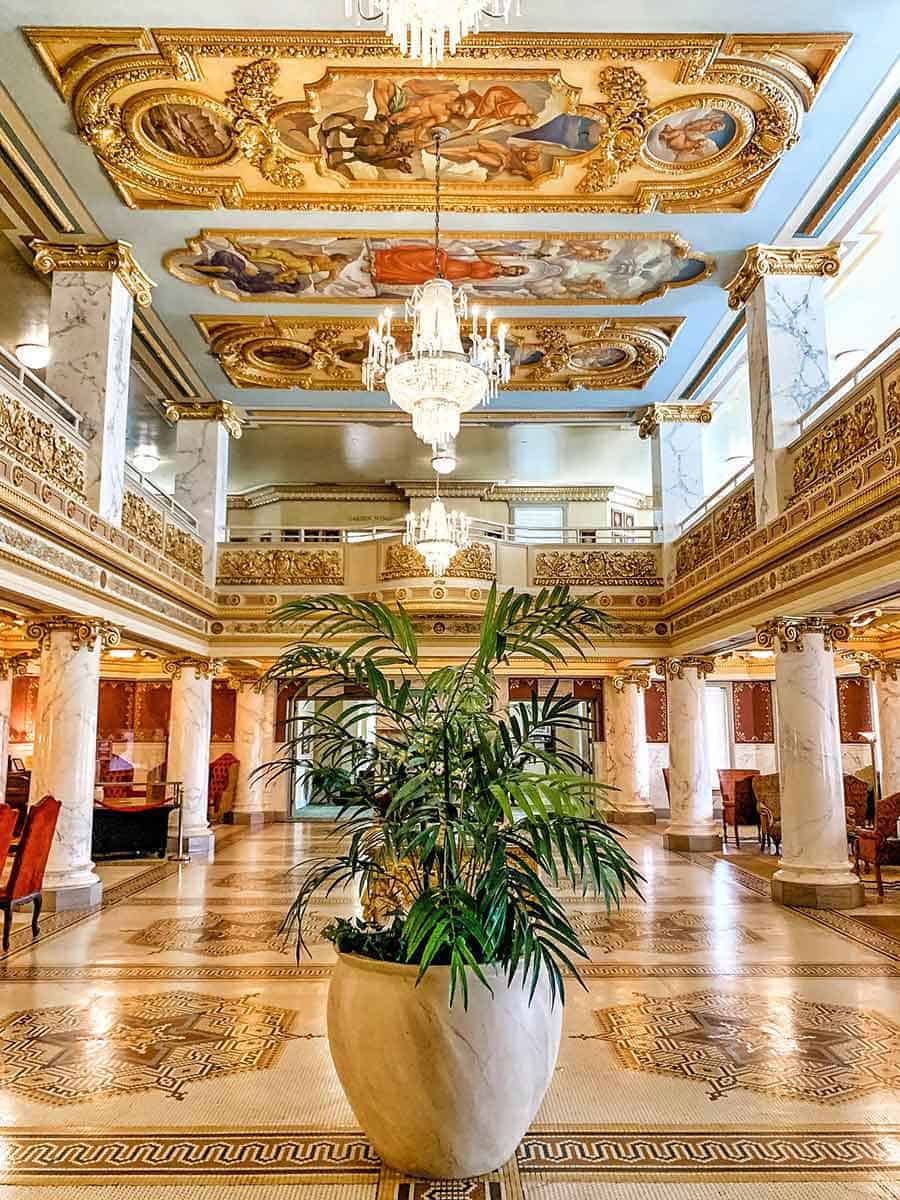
{"x":420,"y":27}
{"x":437,"y":534}
{"x":437,"y":380}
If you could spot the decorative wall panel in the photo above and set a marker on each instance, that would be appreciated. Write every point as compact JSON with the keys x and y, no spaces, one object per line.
{"x":854,"y":708}
{"x":23,"y":707}
{"x":361,"y":266}
{"x":655,"y":712}
{"x":264,"y":119}
{"x":115,"y":709}
{"x":753,"y":714}
{"x":152,"y":701}
{"x":607,"y":568}
{"x":548,"y":354}
{"x":224,"y":703}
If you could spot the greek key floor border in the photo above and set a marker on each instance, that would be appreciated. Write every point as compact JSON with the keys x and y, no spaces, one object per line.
{"x":294,"y":1155}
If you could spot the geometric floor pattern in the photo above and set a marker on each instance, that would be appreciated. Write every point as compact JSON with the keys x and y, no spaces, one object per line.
{"x":164,"y":1041}
{"x":663,"y":933}
{"x":787,"y":1047}
{"x":216,"y":934}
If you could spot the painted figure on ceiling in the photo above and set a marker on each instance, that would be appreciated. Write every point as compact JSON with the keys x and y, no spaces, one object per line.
{"x":415,"y":263}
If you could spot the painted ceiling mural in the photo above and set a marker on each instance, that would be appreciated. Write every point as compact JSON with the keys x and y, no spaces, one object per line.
{"x":257,"y":120}
{"x":359,"y":266}
{"x":326,"y":353}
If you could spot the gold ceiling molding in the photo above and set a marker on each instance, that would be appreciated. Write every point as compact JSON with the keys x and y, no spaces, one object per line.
{"x":650,"y":418}
{"x":273,"y":493}
{"x":638,"y":677}
{"x":85,"y":631}
{"x":780,"y":260}
{"x":460,"y":489}
{"x":115,"y":258}
{"x":549,"y":354}
{"x":368,"y":266}
{"x":674,"y":668}
{"x":206,"y":410}
{"x":788,"y":632}
{"x":259,"y":417}
{"x":255,"y":119}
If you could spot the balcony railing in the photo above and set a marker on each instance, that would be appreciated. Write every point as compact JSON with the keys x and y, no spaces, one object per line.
{"x":488,"y":530}
{"x":851,"y":380}
{"x":40,"y":397}
{"x":730,"y":485}
{"x":157,"y":496}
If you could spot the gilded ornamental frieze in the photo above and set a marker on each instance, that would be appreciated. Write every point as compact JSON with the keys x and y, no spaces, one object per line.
{"x":732,"y":519}
{"x":141,"y":519}
{"x":405,"y":562}
{"x":37,"y":444}
{"x":591,"y":567}
{"x":279,"y":565}
{"x":835,"y":446}
{"x":365,"y":266}
{"x":183,"y":548}
{"x":299,"y":119}
{"x":548,"y":354}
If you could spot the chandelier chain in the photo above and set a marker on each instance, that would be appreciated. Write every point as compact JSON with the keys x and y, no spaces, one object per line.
{"x":439,"y":274}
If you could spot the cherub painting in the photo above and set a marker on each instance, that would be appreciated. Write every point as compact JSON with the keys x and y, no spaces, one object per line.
{"x":692,"y":135}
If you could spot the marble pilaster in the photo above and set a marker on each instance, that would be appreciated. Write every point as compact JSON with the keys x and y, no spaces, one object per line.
{"x":201,"y":470}
{"x":676,"y":433}
{"x":627,"y":760}
{"x":691,"y":824}
{"x":887,"y":697}
{"x":188,"y":757}
{"x":65,"y":751}
{"x":249,"y":749}
{"x":814,"y":870}
{"x":787,"y":354}
{"x":95,"y":285}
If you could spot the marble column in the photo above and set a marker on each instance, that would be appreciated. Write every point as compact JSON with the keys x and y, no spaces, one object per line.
{"x":676,"y":432}
{"x":887,"y":696}
{"x":249,"y":748}
{"x":201,"y":469}
{"x":627,"y":762}
{"x":814,"y":870}
{"x":65,"y":750}
{"x":691,"y":824}
{"x":787,"y":355}
{"x":94,"y":288}
{"x":188,"y":757}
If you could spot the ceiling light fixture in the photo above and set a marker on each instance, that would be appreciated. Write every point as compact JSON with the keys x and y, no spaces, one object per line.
{"x":437,"y":380}
{"x":145,"y":460}
{"x":437,"y":534}
{"x":421,"y":27}
{"x":32,"y":355}
{"x":443,"y":457}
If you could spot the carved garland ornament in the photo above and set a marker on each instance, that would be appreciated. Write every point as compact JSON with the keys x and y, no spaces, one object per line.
{"x":639,"y":677}
{"x":142,"y":520}
{"x":38,"y":445}
{"x":780,"y":260}
{"x":584,"y":568}
{"x":788,"y":632}
{"x":85,"y":631}
{"x":203,"y":668}
{"x":674,"y":668}
{"x":113,"y":257}
{"x":280,"y":566}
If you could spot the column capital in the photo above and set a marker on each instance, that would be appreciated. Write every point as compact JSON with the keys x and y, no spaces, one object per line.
{"x":674,"y":668}
{"x":650,"y":418}
{"x":85,"y":631}
{"x":780,"y":260}
{"x":206,"y":410}
{"x":241,"y":678}
{"x":873,"y":667}
{"x":17,"y":662}
{"x":639,"y":676}
{"x":114,"y":257}
{"x":204,"y":668}
{"x":788,"y":632}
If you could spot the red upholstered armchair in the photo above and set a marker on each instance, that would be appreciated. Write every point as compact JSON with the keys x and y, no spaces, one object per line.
{"x":222,"y":784}
{"x":879,"y":845}
{"x":856,"y":799}
{"x":26,"y":879}
{"x":738,"y":804}
{"x":117,"y":774}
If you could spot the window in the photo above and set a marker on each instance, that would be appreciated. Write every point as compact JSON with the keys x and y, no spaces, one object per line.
{"x":538,"y":522}
{"x":717,"y":719}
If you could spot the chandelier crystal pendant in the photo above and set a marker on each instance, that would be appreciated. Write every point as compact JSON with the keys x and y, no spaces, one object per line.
{"x":421,"y":27}
{"x":437,"y":534}
{"x":438,"y":379}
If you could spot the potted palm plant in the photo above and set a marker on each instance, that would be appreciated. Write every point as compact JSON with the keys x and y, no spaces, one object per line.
{"x":462,"y":825}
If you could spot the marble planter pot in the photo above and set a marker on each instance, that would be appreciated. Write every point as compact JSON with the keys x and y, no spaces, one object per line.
{"x":441,"y":1092}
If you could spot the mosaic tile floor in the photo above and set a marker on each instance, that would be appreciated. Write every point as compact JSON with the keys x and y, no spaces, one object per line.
{"x":723,"y":1048}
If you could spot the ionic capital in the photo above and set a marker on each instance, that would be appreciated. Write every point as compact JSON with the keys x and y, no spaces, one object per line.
{"x":780,"y":260}
{"x":674,"y":668}
{"x":85,"y":631}
{"x":240,"y":678}
{"x":17,"y":663}
{"x":206,"y":410}
{"x":788,"y":632}
{"x":116,"y":258}
{"x":873,"y":667}
{"x":638,"y":676}
{"x":204,"y":668}
{"x":650,"y":418}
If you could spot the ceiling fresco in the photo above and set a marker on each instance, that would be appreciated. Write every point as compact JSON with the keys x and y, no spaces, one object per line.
{"x":326,"y":353}
{"x":356,"y":266}
{"x":307,"y":120}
